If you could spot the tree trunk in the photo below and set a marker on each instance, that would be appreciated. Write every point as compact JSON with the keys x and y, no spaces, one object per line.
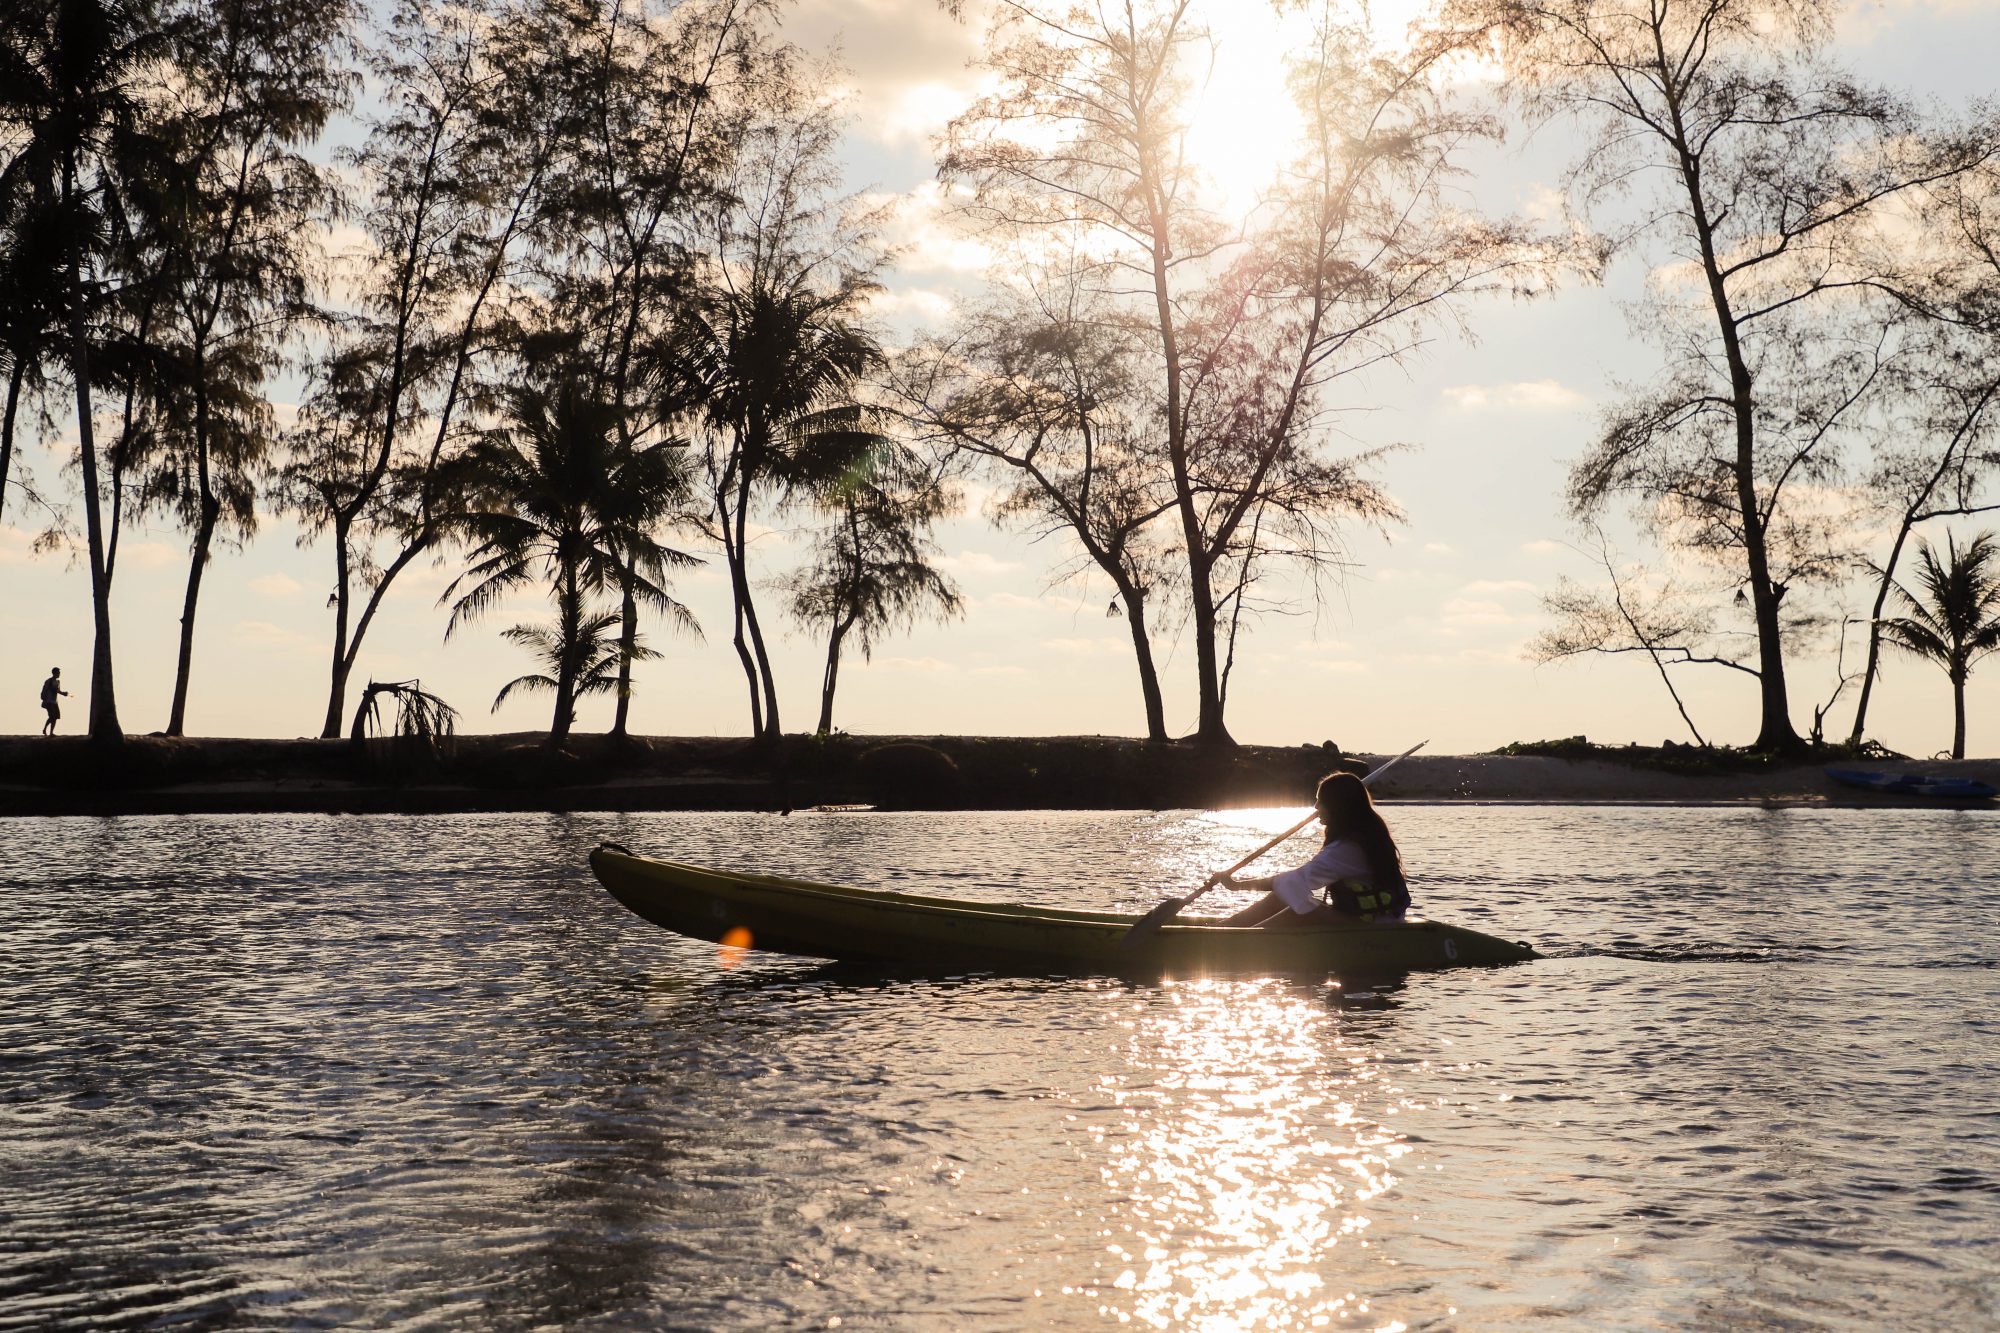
{"x":197,"y":564}
{"x":1875,"y":633}
{"x":7,"y":425}
{"x":104,"y":729}
{"x":1913,"y":513}
{"x":343,"y":669}
{"x":1958,"y":713}
{"x":569,"y":652}
{"x":1149,"y":675}
{"x":738,"y":592}
{"x":1775,"y":732}
{"x":1209,"y":726}
{"x":769,"y":729}
{"x":772,"y":731}
{"x":832,"y":676}
{"x":204,"y":535}
{"x":628,"y":640}
{"x":336,"y":696}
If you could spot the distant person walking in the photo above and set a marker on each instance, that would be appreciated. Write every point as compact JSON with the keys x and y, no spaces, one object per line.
{"x":52,"y":690}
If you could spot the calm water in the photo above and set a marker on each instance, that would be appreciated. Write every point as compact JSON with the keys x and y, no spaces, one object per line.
{"x":421,"y":1073}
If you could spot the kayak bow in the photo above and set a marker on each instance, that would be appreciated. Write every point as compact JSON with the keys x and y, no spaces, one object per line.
{"x":869,"y":926}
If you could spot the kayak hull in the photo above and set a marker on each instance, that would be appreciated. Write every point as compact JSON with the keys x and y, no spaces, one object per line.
{"x":868,"y":926}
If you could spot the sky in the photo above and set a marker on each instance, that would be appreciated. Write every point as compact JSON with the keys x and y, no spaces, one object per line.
{"x":1423,"y":639}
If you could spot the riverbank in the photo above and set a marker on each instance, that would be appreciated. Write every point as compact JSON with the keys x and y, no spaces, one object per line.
{"x":162,"y":775}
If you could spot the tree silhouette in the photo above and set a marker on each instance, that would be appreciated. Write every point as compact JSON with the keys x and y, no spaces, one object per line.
{"x":553,"y":497}
{"x":76,"y":78}
{"x":870,"y":572}
{"x":1043,"y":387}
{"x":1755,"y":164}
{"x":1957,"y":619}
{"x":231,"y":205}
{"x":1251,"y":321}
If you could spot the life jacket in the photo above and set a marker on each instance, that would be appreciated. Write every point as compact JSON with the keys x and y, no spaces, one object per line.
{"x":1353,"y":897}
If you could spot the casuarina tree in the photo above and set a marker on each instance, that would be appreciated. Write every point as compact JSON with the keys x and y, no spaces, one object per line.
{"x":76,"y":78}
{"x":1729,"y":142}
{"x":1252,"y":321}
{"x":871,"y":569}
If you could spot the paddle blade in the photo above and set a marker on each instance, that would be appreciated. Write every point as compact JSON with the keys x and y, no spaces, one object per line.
{"x":1149,"y":925}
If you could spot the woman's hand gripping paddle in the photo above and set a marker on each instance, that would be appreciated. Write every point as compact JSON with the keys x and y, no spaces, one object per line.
{"x":1149,"y":925}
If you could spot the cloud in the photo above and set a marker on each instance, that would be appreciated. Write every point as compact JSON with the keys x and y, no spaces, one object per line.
{"x":17,"y":546}
{"x":1522,"y":396}
{"x":919,"y":225}
{"x":917,"y":304}
{"x":276,"y":585}
{"x":918,"y":112}
{"x":1544,"y":203}
{"x":262,"y":635}
{"x":1460,"y":612}
{"x":149,"y":555}
{"x":976,"y":562}
{"x":1000,"y":671}
{"x":1440,"y":548}
{"x":1011,"y":601}
{"x":1543,"y":546}
{"x":921,"y":665}
{"x":1409,"y":576}
{"x":1489,"y":587}
{"x":1511,"y":656}
{"x":906,"y":65}
{"x":1087,"y":647}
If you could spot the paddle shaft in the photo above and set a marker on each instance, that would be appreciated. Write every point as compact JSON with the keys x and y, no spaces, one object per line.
{"x":1216,"y":879}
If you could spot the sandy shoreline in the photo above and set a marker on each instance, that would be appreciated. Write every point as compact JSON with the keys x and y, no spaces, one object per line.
{"x":157,"y":775}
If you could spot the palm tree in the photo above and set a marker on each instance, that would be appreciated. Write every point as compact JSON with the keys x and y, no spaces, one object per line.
{"x":1957,"y":621}
{"x":775,"y":370}
{"x":582,"y":660}
{"x":554,"y":497}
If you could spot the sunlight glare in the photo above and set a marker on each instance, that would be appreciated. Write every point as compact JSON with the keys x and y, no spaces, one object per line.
{"x":1236,"y":1187}
{"x":1243,"y":126}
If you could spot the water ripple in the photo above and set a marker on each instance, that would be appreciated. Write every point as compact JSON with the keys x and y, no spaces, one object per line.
{"x":420,"y":1072}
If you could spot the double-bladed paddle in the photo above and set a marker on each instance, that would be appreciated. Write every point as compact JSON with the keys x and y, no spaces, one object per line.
{"x":1148,"y":925}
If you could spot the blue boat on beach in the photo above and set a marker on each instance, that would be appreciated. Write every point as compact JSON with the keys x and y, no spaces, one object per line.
{"x":1916,"y":784}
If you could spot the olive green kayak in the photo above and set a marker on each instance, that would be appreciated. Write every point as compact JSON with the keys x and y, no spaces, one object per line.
{"x":793,"y":916}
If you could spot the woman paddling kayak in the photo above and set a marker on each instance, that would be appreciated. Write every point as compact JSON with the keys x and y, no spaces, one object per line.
{"x":1357,"y":867}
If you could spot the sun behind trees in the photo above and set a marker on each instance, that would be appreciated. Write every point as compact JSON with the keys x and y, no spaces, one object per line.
{"x":1249,"y":323}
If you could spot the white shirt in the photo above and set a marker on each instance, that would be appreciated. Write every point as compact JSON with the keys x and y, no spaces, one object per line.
{"x":1343,"y":858}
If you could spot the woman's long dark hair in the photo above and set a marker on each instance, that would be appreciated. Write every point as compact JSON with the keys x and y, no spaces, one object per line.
{"x":1349,"y":812}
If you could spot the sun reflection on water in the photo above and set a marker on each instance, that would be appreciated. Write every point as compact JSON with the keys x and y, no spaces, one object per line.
{"x":1253,"y":1151}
